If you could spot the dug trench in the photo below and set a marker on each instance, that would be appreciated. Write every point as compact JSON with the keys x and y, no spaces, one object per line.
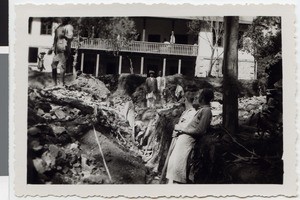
{"x":63,"y":149}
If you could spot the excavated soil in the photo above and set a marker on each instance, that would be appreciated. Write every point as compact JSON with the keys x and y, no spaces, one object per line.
{"x":62,"y":148}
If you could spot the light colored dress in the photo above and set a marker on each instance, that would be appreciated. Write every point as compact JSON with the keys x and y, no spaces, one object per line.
{"x":161,"y":84}
{"x":177,"y":165}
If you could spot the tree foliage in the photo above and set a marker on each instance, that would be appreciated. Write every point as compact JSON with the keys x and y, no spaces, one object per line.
{"x":208,"y":24}
{"x":120,"y":31}
{"x":117,"y":32}
{"x":263,"y":40}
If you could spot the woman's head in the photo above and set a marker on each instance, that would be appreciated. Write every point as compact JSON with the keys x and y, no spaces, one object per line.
{"x":190,"y":92}
{"x":206,"y":95}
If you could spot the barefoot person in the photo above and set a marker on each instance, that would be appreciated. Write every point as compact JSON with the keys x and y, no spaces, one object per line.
{"x":62,"y":49}
{"x":178,"y":170}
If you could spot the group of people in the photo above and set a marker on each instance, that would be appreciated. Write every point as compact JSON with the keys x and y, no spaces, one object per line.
{"x":156,"y":89}
{"x":192,"y":125}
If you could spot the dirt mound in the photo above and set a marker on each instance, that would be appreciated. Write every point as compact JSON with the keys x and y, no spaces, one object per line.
{"x":91,"y":85}
{"x":63,"y":150}
{"x":37,"y":79}
{"x":127,"y":84}
{"x":111,"y":81}
{"x":171,"y":83}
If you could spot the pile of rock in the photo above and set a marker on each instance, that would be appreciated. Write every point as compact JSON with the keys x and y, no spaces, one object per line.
{"x":57,"y":118}
{"x":66,"y":165}
{"x":247,"y":107}
{"x":91,"y":85}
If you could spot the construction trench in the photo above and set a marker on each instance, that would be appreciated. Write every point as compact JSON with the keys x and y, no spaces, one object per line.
{"x":63,"y":147}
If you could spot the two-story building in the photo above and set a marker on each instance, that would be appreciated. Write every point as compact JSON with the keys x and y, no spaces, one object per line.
{"x":189,"y":55}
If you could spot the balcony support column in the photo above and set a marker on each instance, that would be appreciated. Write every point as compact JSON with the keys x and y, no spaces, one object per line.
{"x":179,"y":66}
{"x":164,"y":67}
{"x":97,"y":65}
{"x":142,"y":65}
{"x":120,"y":64}
{"x":82,"y":62}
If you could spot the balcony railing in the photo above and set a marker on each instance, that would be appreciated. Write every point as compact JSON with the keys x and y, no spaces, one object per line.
{"x":140,"y":47}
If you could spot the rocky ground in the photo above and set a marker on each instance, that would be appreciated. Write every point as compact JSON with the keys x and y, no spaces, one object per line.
{"x":62,"y":146}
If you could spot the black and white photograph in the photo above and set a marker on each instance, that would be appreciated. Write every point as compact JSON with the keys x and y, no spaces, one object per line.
{"x":155,"y":100}
{"x":130,"y":102}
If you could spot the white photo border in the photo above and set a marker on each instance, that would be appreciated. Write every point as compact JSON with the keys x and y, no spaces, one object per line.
{"x":19,"y":162}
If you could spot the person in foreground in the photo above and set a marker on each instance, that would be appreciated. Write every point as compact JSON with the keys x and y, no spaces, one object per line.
{"x":178,"y":169}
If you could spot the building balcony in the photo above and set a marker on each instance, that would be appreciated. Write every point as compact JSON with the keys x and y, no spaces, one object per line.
{"x":140,"y":47}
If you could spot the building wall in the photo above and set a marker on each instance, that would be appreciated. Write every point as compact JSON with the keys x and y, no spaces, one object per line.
{"x":42,"y":42}
{"x":245,"y":64}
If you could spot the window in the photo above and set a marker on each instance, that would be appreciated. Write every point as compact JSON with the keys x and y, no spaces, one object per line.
{"x":181,"y":39}
{"x":29,"y":25}
{"x":46,"y":26}
{"x":32,"y":55}
{"x":153,"y":38}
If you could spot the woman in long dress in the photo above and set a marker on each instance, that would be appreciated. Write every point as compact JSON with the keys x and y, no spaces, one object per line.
{"x":192,"y":124}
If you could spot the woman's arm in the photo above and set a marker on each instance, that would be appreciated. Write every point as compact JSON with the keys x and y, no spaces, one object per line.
{"x":199,"y":124}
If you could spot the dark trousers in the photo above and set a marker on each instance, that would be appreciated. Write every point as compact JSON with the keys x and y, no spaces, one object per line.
{"x":54,"y":75}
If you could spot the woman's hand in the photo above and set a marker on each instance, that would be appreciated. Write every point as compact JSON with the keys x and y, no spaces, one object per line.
{"x":177,"y":127}
{"x":175,"y":134}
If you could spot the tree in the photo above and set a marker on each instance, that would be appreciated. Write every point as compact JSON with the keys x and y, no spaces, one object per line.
{"x":230,"y":74}
{"x":119,"y":32}
{"x":216,"y":28}
{"x":263,"y":41}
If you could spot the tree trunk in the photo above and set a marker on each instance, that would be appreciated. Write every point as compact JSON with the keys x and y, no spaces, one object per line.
{"x":230,"y":74}
{"x":211,"y":63}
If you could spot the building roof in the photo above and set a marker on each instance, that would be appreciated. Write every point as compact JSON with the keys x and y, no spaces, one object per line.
{"x":242,"y":19}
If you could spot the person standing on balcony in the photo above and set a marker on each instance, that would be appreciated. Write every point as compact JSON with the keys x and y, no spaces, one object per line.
{"x":62,"y":49}
{"x":172,"y":38}
{"x":161,"y":86}
{"x":151,"y":88}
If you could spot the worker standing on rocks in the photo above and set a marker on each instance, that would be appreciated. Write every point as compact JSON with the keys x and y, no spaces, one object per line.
{"x":161,"y":86}
{"x":191,"y":125}
{"x":62,"y":49}
{"x":151,"y":87}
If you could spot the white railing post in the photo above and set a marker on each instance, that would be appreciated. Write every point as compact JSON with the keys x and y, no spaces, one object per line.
{"x":120,"y":64}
